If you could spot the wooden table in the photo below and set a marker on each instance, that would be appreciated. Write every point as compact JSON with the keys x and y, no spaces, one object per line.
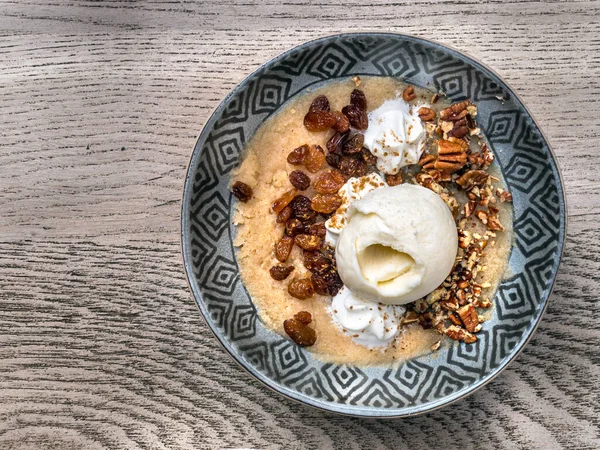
{"x":101,"y":344}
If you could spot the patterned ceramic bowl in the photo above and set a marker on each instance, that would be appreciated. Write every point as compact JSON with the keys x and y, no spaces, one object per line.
{"x":426,"y":382}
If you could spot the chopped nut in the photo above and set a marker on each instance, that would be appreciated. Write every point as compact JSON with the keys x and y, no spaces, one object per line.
{"x":393,"y":180}
{"x":504,"y":195}
{"x":494,"y":223}
{"x":410,"y":317}
{"x":482,"y":215}
{"x":435,"y":97}
{"x":458,"y":334}
{"x":469,"y":208}
{"x":455,"y":319}
{"x":426,"y":114}
{"x":454,"y":110}
{"x":435,"y":346}
{"x":409,"y":94}
{"x":356,"y":80}
{"x":472,"y":178}
{"x":469,"y":318}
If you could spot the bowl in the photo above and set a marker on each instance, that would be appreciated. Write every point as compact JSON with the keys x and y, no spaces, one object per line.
{"x":426,"y":382}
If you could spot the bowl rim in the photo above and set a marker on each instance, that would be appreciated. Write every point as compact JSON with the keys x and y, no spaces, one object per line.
{"x":291,"y":394}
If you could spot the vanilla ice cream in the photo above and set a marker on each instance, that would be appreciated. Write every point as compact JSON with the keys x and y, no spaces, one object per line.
{"x":395,"y":135}
{"x":399,"y":244}
{"x":369,"y":324}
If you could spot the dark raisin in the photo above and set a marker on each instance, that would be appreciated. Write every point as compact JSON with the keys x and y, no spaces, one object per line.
{"x":299,"y":180}
{"x":280,"y":273}
{"x":303,"y":316}
{"x":333,"y":160}
{"x":319,"y":284}
{"x":283,"y":247}
{"x":358,"y":118}
{"x":297,"y":156}
{"x":308,"y":242}
{"x":283,"y":201}
{"x":284,"y":214}
{"x":316,"y":262}
{"x":315,"y":159}
{"x":319,"y":120}
{"x":354,"y":144}
{"x":368,"y":157}
{"x":241,"y":191}
{"x":336,"y":142}
{"x":300,"y":333}
{"x":301,"y":288}
{"x":353,"y":167}
{"x":320,"y":103}
{"x":294,"y":227}
{"x":326,"y":203}
{"x":302,"y":210}
{"x":334,"y":282}
{"x":358,"y":99}
{"x":342,"y":123}
{"x":318,"y":229}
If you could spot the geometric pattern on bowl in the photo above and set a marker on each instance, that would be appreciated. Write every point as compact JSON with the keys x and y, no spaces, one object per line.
{"x":423,"y":383}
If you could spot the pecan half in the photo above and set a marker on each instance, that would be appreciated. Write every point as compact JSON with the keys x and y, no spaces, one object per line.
{"x":472,"y":178}
{"x":409,"y":94}
{"x":452,"y":155}
{"x":458,"y":334}
{"x":426,"y":114}
{"x":504,"y":195}
{"x":468,"y":316}
{"x":454,"y":110}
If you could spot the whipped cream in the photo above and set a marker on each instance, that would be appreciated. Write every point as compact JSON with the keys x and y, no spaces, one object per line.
{"x":354,"y":189}
{"x":399,"y":244}
{"x":369,"y":324}
{"x":395,"y":135}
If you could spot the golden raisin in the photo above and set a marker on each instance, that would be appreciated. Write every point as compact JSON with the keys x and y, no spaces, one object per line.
{"x":326,"y":203}
{"x":303,"y":316}
{"x":301,"y":288}
{"x":329,"y":182}
{"x":308,"y":241}
{"x":296,"y":156}
{"x":342,"y":123}
{"x":315,"y":159}
{"x":283,"y":248}
{"x":319,"y":120}
{"x":283,"y":201}
{"x":300,"y":333}
{"x":318,"y":229}
{"x":284,"y":214}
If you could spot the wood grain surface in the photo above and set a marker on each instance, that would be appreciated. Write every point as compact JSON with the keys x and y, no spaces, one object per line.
{"x":101,"y":344}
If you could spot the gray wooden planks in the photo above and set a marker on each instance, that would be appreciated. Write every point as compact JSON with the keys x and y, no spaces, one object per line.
{"x":101,"y":345}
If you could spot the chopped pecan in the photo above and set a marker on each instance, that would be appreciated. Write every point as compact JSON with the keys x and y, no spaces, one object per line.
{"x":470,"y":207}
{"x":483,"y":216}
{"x":409,"y":94}
{"x":504,"y":195}
{"x":458,"y":334}
{"x":393,"y":180}
{"x":469,"y":318}
{"x":494,"y":223}
{"x":427,"y":161}
{"x":434,"y":98}
{"x":426,"y":114}
{"x":410,"y":317}
{"x":455,"y":319}
{"x":454,"y":110}
{"x":472,"y":178}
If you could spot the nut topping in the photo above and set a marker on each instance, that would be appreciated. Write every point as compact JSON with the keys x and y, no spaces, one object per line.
{"x":409,"y":94}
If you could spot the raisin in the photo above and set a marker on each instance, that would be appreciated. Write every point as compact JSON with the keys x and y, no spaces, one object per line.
{"x":284,"y":214}
{"x":319,"y":284}
{"x":241,"y":191}
{"x":280,"y":273}
{"x":334,"y":282}
{"x":354,"y":144}
{"x":303,"y":316}
{"x":336,"y":142}
{"x":299,"y":180}
{"x":318,"y":229}
{"x":358,"y":99}
{"x":353,"y":167}
{"x":393,"y":180}
{"x":326,"y":203}
{"x":300,"y":333}
{"x":319,"y":120}
{"x":301,"y":288}
{"x":358,"y":118}
{"x":283,"y":201}
{"x":294,"y":227}
{"x":301,"y":207}
{"x":308,"y":242}
{"x":333,"y":160}
{"x":315,"y":159}
{"x":297,"y":156}
{"x":320,"y":103}
{"x":329,"y":182}
{"x":342,"y":123}
{"x":283,"y":247}
{"x":368,"y":157}
{"x":409,"y":94}
{"x":316,"y":262}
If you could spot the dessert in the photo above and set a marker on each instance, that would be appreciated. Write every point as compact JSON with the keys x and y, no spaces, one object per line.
{"x":372,"y":223}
